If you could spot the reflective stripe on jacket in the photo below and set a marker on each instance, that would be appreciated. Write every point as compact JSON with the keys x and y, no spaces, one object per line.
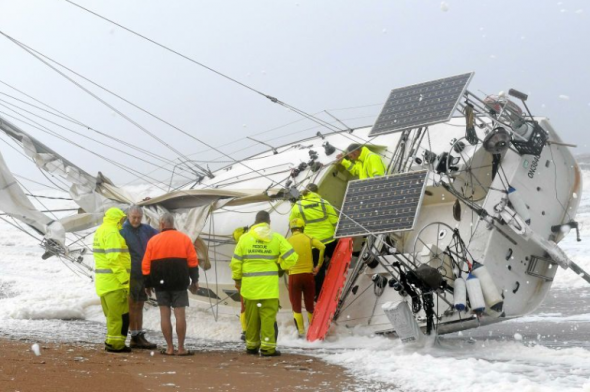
{"x":256,"y":262}
{"x":368,"y":165}
{"x":112,"y":262}
{"x":319,"y":216}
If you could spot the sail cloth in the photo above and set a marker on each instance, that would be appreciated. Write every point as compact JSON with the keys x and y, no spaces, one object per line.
{"x":16,"y":204}
{"x":93,"y":194}
{"x":191,"y":209}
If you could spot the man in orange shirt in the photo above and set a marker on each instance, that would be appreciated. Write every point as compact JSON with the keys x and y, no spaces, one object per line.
{"x":170,"y":265}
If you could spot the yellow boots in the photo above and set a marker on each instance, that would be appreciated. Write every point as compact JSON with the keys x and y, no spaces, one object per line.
{"x":298,"y":318}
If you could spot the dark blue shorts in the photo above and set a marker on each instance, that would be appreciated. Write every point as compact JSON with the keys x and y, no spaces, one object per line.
{"x":137,"y":289}
{"x":172,"y":299}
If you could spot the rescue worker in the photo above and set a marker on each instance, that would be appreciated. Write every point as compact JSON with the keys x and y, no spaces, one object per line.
{"x":170,"y":265}
{"x":240,"y":231}
{"x":255,"y":269}
{"x":320,"y":220}
{"x":361,"y":162}
{"x":136,"y":236}
{"x":112,"y":264}
{"x":301,"y":276}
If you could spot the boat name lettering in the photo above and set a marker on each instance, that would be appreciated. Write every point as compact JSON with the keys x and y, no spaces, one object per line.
{"x":533,"y":168}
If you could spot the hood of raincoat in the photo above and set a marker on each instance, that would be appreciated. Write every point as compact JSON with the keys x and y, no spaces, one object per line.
{"x":261,"y":232}
{"x":364,"y":153}
{"x":311,"y":196}
{"x":113,"y":217}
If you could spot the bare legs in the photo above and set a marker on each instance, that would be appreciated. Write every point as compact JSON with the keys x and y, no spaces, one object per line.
{"x":166,"y":325}
{"x":135,"y":315}
{"x":180,"y":317}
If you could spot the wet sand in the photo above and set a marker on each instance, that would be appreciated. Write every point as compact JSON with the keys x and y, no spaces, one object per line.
{"x":88,"y":368}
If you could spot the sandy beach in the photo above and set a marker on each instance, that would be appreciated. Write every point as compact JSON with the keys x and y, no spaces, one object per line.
{"x":87,"y":367}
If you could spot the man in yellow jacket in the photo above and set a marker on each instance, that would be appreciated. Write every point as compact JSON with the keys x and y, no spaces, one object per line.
{"x":112,"y":264}
{"x":320,"y":221}
{"x":301,"y":275}
{"x":255,"y":269}
{"x":362,"y":162}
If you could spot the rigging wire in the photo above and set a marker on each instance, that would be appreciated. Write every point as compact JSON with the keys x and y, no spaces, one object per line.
{"x":38,"y":101}
{"x":32,"y":181}
{"x":30,"y":159}
{"x":271,"y":98}
{"x":44,"y":129}
{"x":286,"y":125}
{"x":85,"y":136}
{"x":68,"y":118}
{"x":39,"y":56}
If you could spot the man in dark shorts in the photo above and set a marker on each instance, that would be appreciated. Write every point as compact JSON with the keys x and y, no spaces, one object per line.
{"x":170,"y":266}
{"x":137,"y":235}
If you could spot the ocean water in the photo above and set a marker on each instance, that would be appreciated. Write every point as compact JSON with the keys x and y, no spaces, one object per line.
{"x":549,"y":350}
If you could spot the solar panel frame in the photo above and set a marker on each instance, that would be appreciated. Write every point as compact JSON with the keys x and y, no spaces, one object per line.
{"x":352,"y":224}
{"x":404,"y":108}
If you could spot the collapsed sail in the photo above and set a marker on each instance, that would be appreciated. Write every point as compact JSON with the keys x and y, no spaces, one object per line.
{"x":93,"y":194}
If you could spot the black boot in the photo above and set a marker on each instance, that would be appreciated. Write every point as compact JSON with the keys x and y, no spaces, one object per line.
{"x":122,"y":350}
{"x":276,"y":353}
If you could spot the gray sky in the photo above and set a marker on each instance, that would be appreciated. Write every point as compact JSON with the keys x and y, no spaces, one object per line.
{"x":314,"y":55}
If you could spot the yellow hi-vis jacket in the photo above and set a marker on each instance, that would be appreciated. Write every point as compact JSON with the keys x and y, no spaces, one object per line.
{"x":256,"y":262}
{"x":112,"y":261}
{"x":319,"y":217}
{"x":303,"y":244}
{"x":368,"y":165}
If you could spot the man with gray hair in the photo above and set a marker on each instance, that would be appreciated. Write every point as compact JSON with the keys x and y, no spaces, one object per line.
{"x":170,"y":266}
{"x":137,"y":235}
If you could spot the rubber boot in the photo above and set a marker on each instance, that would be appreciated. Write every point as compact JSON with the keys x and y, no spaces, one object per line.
{"x":309,"y":317}
{"x":298,"y":318}
{"x":244,"y":326}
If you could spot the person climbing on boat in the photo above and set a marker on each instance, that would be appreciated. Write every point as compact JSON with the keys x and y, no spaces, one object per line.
{"x":255,"y":269}
{"x":239,"y":232}
{"x":170,"y":265}
{"x":137,"y":235}
{"x":361,"y":162}
{"x":301,"y":275}
{"x":320,"y":221}
{"x":112,"y":264}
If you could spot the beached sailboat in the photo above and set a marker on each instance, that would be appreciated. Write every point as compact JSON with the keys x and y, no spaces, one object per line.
{"x":461,"y":232}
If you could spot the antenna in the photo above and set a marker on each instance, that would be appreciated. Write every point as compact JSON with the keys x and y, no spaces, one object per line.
{"x":274,"y":150}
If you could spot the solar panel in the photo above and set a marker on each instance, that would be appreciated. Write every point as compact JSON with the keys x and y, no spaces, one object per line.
{"x":381,"y":204}
{"x":421,"y":104}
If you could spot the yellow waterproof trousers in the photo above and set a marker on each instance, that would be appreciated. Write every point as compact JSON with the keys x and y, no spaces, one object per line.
{"x":115,"y":306}
{"x":261,"y":319}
